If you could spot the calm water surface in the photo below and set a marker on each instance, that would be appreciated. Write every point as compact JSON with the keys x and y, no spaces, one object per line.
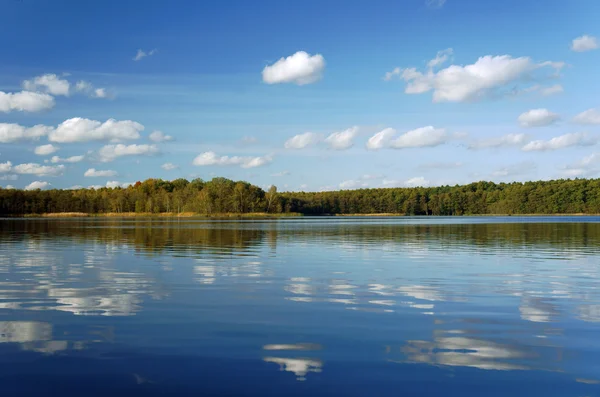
{"x":301,"y":307}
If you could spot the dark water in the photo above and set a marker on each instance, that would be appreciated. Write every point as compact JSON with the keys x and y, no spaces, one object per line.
{"x":301,"y":307}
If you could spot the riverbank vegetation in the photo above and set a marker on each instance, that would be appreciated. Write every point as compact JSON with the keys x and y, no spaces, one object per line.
{"x":225,"y":197}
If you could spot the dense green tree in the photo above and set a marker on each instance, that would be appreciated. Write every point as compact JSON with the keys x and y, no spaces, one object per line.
{"x":221,"y":195}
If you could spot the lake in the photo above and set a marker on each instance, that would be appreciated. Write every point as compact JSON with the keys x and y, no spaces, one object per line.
{"x":300,"y":307}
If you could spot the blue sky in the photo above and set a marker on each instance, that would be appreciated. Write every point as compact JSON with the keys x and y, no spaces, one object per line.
{"x":308,"y":95}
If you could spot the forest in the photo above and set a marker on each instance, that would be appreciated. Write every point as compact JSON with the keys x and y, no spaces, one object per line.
{"x":224,"y":196}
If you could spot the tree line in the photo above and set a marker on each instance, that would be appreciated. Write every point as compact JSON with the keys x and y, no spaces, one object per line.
{"x":221,"y":195}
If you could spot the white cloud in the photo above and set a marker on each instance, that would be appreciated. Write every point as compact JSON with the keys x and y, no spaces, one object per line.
{"x":353,"y":184}
{"x":25,"y":101}
{"x":5,"y":167}
{"x":83,"y":86}
{"x":418,"y":181}
{"x":87,"y":88}
{"x":302,"y":141}
{"x":584,"y":43}
{"x":9,"y":187}
{"x":560,"y":142}
{"x":142,"y":54}
{"x":515,"y":169}
{"x":420,"y":137}
{"x":538,"y":118}
{"x":342,"y":140}
{"x":211,"y":158}
{"x":169,"y":166}
{"x":503,"y":141}
{"x":159,"y":136}
{"x":300,"y":68}
{"x":586,"y":167}
{"x":37,"y":185}
{"x":83,"y":130}
{"x":111,"y":152}
{"x":488,"y":76}
{"x":45,"y":150}
{"x":390,"y":75}
{"x":94,"y":173}
{"x":72,"y":159}
{"x":39,"y":170}
{"x":115,"y":184}
{"x":440,"y":58}
{"x":381,"y":139}
{"x":100,"y":93}
{"x":590,"y":116}
{"x":10,"y":133}
{"x":48,"y":83}
{"x":435,"y":4}
{"x":552,"y":90}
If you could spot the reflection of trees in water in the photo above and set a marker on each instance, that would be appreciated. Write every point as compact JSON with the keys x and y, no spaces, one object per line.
{"x":179,"y":236}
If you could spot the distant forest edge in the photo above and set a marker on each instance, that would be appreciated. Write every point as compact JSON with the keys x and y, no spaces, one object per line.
{"x":224,"y":196}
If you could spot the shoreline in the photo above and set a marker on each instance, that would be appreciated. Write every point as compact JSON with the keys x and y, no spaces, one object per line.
{"x":252,"y":215}
{"x":154,"y":215}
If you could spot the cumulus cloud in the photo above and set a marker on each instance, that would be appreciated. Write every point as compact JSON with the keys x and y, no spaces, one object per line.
{"x":169,"y":166}
{"x":584,"y":43}
{"x":83,"y":130}
{"x":159,"y":136}
{"x":420,"y":137}
{"x":9,"y":187}
{"x":10,"y":133}
{"x":25,"y":101}
{"x":141,"y":54}
{"x":342,"y":140}
{"x":112,"y":152}
{"x":590,"y":116}
{"x":381,"y":139}
{"x":45,"y":150}
{"x":5,"y":167}
{"x":39,"y":170}
{"x":300,"y":68}
{"x":498,"y":142}
{"x":211,"y":158}
{"x":538,"y":118}
{"x":72,"y":159}
{"x":37,"y":185}
{"x":302,"y":141}
{"x":561,"y":142}
{"x":488,"y":76}
{"x":94,"y":173}
{"x":48,"y":83}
